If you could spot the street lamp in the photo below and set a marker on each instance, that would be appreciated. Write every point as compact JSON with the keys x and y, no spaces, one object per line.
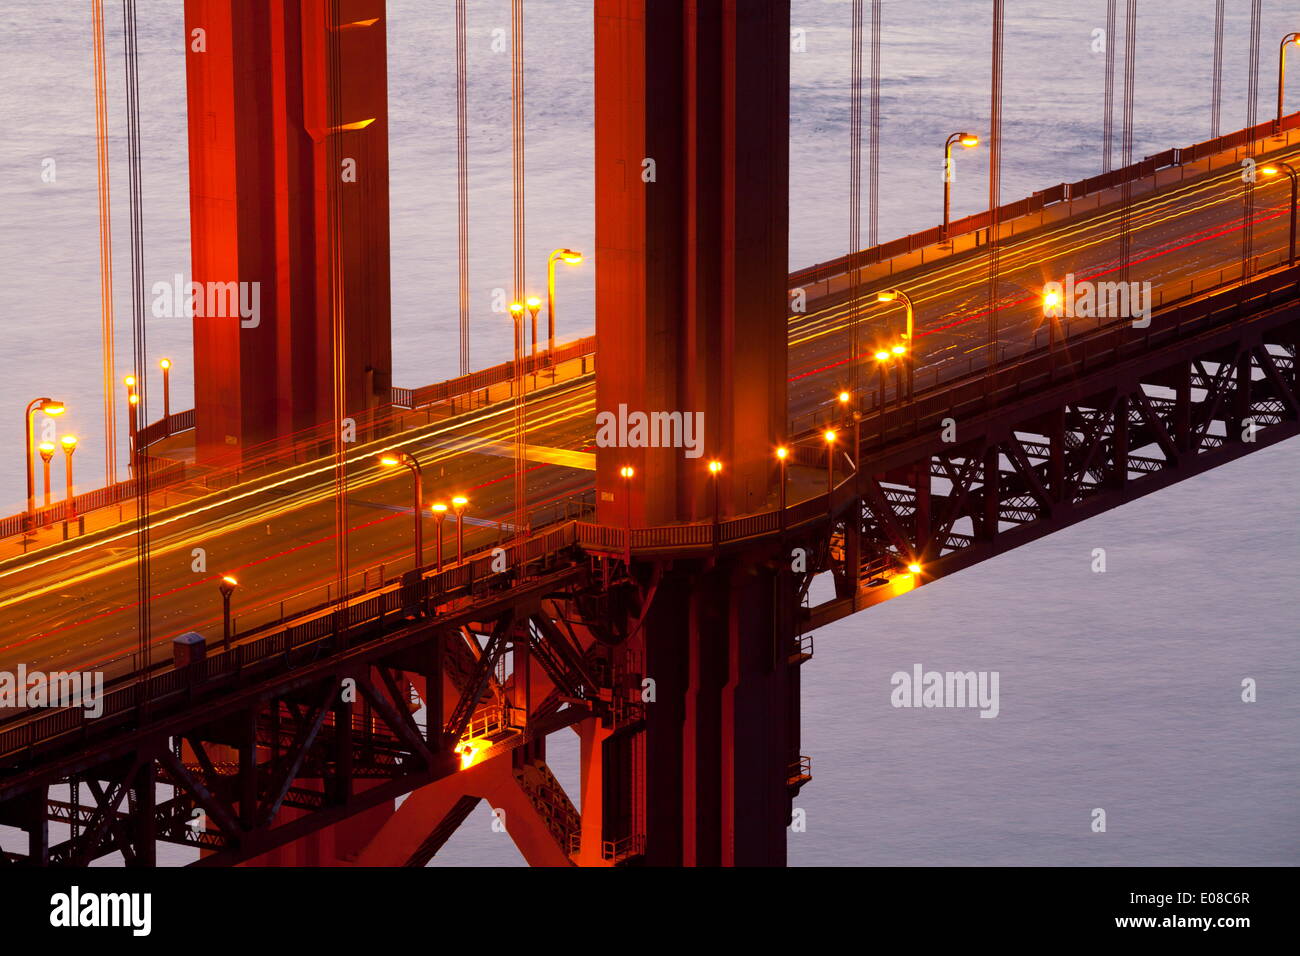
{"x":1295,"y":193}
{"x":829,"y":435}
{"x":1051,"y":312}
{"x":166,"y":366}
{"x":227,"y":588}
{"x":69,"y":443}
{"x":715,"y":469}
{"x":49,"y":407}
{"x":968,"y":140}
{"x":459,"y":504}
{"x":439,"y":515}
{"x":627,"y":472}
{"x":46,"y":450}
{"x":570,"y":257}
{"x":1281,"y":73}
{"x":882,"y":359}
{"x":897,"y":295}
{"x":392,"y":460}
{"x":782,"y":453}
{"x":534,"y":305}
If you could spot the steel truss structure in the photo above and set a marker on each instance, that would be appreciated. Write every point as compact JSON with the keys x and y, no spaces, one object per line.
{"x":674,"y":653}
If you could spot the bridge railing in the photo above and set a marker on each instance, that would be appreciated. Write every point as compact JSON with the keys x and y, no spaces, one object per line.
{"x":927,"y":379}
{"x":1062,"y":192}
{"x":161,"y":474}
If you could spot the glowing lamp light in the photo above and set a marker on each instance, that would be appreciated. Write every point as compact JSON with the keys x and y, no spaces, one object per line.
{"x":54,"y":408}
{"x":229,"y":580}
{"x":459,"y":501}
{"x":887,"y":296}
{"x":715,"y":466}
{"x":882,"y":356}
{"x":575,"y":259}
{"x":388,"y":460}
{"x":899,"y":349}
{"x":1270,"y":170}
{"x":165,"y":364}
{"x":69,"y":442}
{"x":516,"y":308}
{"x":782,"y":453}
{"x":135,"y":399}
{"x":439,"y":508}
{"x":627,"y":471}
{"x":46,"y":450}
{"x":129,"y":381}
{"x":914,"y":568}
{"x":844,"y":398}
{"x":969,"y":140}
{"x":533,"y":302}
{"x":469,"y":751}
{"x":829,"y":435}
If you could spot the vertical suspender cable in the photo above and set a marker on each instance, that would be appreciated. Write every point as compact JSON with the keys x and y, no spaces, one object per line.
{"x":1108,"y":110}
{"x":105,"y":247}
{"x":1126,"y":200}
{"x":855,"y":188}
{"x":995,"y":184}
{"x":517,"y":156}
{"x":462,"y":179}
{"x":140,"y":461}
{"x":873,"y":142}
{"x":1216,"y":91}
{"x":338,"y":338}
{"x":1252,"y":103}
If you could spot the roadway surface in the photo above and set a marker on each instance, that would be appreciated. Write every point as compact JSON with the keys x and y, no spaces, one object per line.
{"x":75,"y":606}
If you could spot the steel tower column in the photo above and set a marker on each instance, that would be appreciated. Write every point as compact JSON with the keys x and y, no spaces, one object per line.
{"x":258,"y":83}
{"x":692,"y":223}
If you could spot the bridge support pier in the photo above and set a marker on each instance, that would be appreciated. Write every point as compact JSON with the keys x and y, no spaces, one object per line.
{"x":705,"y":780}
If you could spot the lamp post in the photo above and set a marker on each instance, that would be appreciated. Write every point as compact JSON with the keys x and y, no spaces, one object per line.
{"x":392,"y":460}
{"x":227,"y":588}
{"x":459,"y":504}
{"x":573,"y":258}
{"x":166,"y":366}
{"x":897,"y":295}
{"x":715,"y":469}
{"x":844,"y":398}
{"x":782,"y":453}
{"x":1051,"y":312}
{"x":46,"y":450}
{"x":517,"y":313}
{"x":534,"y":305}
{"x":49,"y":407}
{"x":626,"y":473}
{"x":1295,"y":193}
{"x":968,"y":140}
{"x":1281,"y":74}
{"x":439,"y":515}
{"x":69,"y":443}
{"x":829,"y":435}
{"x":882,"y":359}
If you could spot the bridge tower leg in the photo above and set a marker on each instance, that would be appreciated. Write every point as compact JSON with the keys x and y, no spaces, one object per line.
{"x":692,"y":223}
{"x":265,"y":139}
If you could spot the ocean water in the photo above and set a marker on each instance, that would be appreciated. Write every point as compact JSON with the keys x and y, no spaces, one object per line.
{"x":1119,"y":691}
